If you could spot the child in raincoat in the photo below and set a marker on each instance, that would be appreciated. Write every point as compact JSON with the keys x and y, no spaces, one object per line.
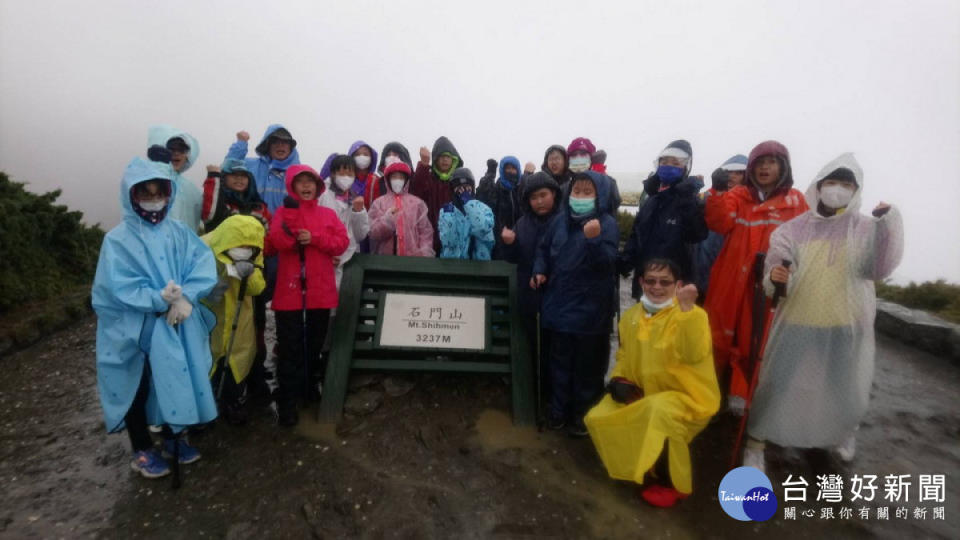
{"x":503,"y":197}
{"x":341,"y":197}
{"x":663,"y":389}
{"x":230,"y":190}
{"x":153,"y":349}
{"x":399,"y":221}
{"x":306,"y":238}
{"x":183,"y":152}
{"x":364,"y":159}
{"x":747,"y":215}
{"x":378,"y":186}
{"x":814,"y":382}
{"x":465,"y":224}
{"x":237,"y":245}
{"x":575,"y":266}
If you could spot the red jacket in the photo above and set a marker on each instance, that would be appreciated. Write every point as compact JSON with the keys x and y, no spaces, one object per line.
{"x":376,"y":186}
{"x":747,"y":223}
{"x":328,"y":239}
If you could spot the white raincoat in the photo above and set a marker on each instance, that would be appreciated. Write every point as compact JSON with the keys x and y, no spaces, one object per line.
{"x":814,"y":383}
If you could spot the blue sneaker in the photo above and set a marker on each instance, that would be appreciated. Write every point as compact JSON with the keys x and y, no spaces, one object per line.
{"x":188,"y":454}
{"x":149,"y":464}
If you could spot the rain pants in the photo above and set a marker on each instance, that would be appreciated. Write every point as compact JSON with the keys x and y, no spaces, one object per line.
{"x":466,"y":233}
{"x":747,"y":221}
{"x":189,"y":204}
{"x":814,"y":384}
{"x":669,"y":356}
{"x":137,"y":259}
{"x":236,"y":231}
{"x":269,"y":173}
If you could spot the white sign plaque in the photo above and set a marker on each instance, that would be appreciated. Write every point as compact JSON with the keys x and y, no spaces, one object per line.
{"x":441,"y":322}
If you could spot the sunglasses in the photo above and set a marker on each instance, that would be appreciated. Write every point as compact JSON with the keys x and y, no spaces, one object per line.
{"x":662,"y":282}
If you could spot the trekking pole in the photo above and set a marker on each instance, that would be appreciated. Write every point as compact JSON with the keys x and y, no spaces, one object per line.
{"x":225,"y":361}
{"x":176,"y":461}
{"x":303,"y":321}
{"x":539,"y":373}
{"x":756,"y":337}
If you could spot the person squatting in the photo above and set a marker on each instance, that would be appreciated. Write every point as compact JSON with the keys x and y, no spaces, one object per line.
{"x":749,"y":293}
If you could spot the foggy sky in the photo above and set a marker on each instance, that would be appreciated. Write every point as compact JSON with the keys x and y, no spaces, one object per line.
{"x":80,"y":83}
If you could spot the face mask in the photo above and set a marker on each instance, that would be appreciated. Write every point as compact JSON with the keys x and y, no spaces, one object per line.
{"x":835,"y":196}
{"x":669,"y":174}
{"x":362,"y":162}
{"x":653,"y":307}
{"x":397,"y":185}
{"x":579,"y":163}
{"x":240,"y":253}
{"x":582,"y":206}
{"x":343,"y":182}
{"x":153,"y":206}
{"x":390,"y":160}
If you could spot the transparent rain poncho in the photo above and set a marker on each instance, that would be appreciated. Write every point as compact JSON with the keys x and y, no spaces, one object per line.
{"x":814,"y":382}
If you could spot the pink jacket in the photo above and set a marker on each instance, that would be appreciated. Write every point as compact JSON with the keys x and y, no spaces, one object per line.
{"x":416,"y":234}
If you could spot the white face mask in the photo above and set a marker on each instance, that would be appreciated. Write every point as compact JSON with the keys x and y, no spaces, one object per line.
{"x":240,"y":253}
{"x":653,"y":307}
{"x":362,"y":162}
{"x":836,"y":197}
{"x":397,"y":185}
{"x":579,"y":164}
{"x":153,"y":206}
{"x":343,"y":182}
{"x":390,"y":160}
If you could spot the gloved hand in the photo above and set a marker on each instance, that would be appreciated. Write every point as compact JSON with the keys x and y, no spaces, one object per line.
{"x":216,"y":295}
{"x":159,"y":153}
{"x":171,"y":292}
{"x":623,"y":391}
{"x":720,"y":180}
{"x":179,"y":310}
{"x":491,"y":166}
{"x":244,"y":268}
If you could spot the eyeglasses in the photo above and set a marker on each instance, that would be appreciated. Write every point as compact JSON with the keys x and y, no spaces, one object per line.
{"x":662,"y":282}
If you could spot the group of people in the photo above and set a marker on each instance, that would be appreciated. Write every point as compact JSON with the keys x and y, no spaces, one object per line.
{"x":181,"y":316}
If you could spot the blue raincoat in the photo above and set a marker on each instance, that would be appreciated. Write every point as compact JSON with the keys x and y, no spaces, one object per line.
{"x":268,"y":173}
{"x":466,"y":234}
{"x":189,"y":203}
{"x":137,"y":259}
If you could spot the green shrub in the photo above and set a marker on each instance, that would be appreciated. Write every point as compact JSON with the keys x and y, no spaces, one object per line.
{"x":937,"y":297}
{"x":624,"y":225}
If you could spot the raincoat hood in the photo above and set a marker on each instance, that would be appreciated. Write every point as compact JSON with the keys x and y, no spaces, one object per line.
{"x":444,"y":146}
{"x":292,"y":173}
{"x":373,"y":153}
{"x":510,"y":160}
{"x":770,"y":148}
{"x":398,"y":167}
{"x":236,"y":231}
{"x":735,"y":163}
{"x":537,"y":181}
{"x":553,"y":148}
{"x":263,"y":149}
{"x":325,"y":169}
{"x":140,"y":170}
{"x":160,"y":134}
{"x":234,"y":166}
{"x":846,"y":161}
{"x":400,"y":149}
{"x":597,"y":186}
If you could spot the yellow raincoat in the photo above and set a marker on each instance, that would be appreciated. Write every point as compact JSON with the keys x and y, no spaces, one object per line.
{"x":235,"y":231}
{"x":670,"y":356}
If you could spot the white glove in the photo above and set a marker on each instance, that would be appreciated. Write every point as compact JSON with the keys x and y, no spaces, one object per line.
{"x":179,"y":310}
{"x":244,"y":268}
{"x":171,"y":292}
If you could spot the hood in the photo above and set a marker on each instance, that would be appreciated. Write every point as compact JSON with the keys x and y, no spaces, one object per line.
{"x":536,"y":181}
{"x":735,"y":163}
{"x":140,"y":170}
{"x":461,"y":176}
{"x":261,"y":149}
{"x":770,"y":148}
{"x":398,"y":167}
{"x":325,"y":170}
{"x":510,"y":160}
{"x":444,"y":146}
{"x":373,"y":153}
{"x":292,"y":173}
{"x":581,"y":144}
{"x":559,"y":148}
{"x":400,"y":149}
{"x":681,"y":145}
{"x":234,"y":165}
{"x":598,"y":185}
{"x":161,"y":133}
{"x":236,"y":231}
{"x":845,"y":161}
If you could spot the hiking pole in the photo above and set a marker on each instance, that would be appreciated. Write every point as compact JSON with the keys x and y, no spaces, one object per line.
{"x":539,"y":373}
{"x":225,"y":361}
{"x":176,"y":461}
{"x":757,"y":316}
{"x":303,"y":321}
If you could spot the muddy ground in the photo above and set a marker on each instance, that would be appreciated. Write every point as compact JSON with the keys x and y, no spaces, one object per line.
{"x":439,"y":461}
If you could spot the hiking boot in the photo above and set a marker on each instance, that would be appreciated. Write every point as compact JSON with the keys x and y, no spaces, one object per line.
{"x":188,"y":454}
{"x":577,"y":429}
{"x":149,"y":464}
{"x":555,"y":423}
{"x":753,"y":457}
{"x":662,"y":496}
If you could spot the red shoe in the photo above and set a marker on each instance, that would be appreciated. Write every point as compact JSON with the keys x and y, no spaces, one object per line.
{"x":662,"y":496}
